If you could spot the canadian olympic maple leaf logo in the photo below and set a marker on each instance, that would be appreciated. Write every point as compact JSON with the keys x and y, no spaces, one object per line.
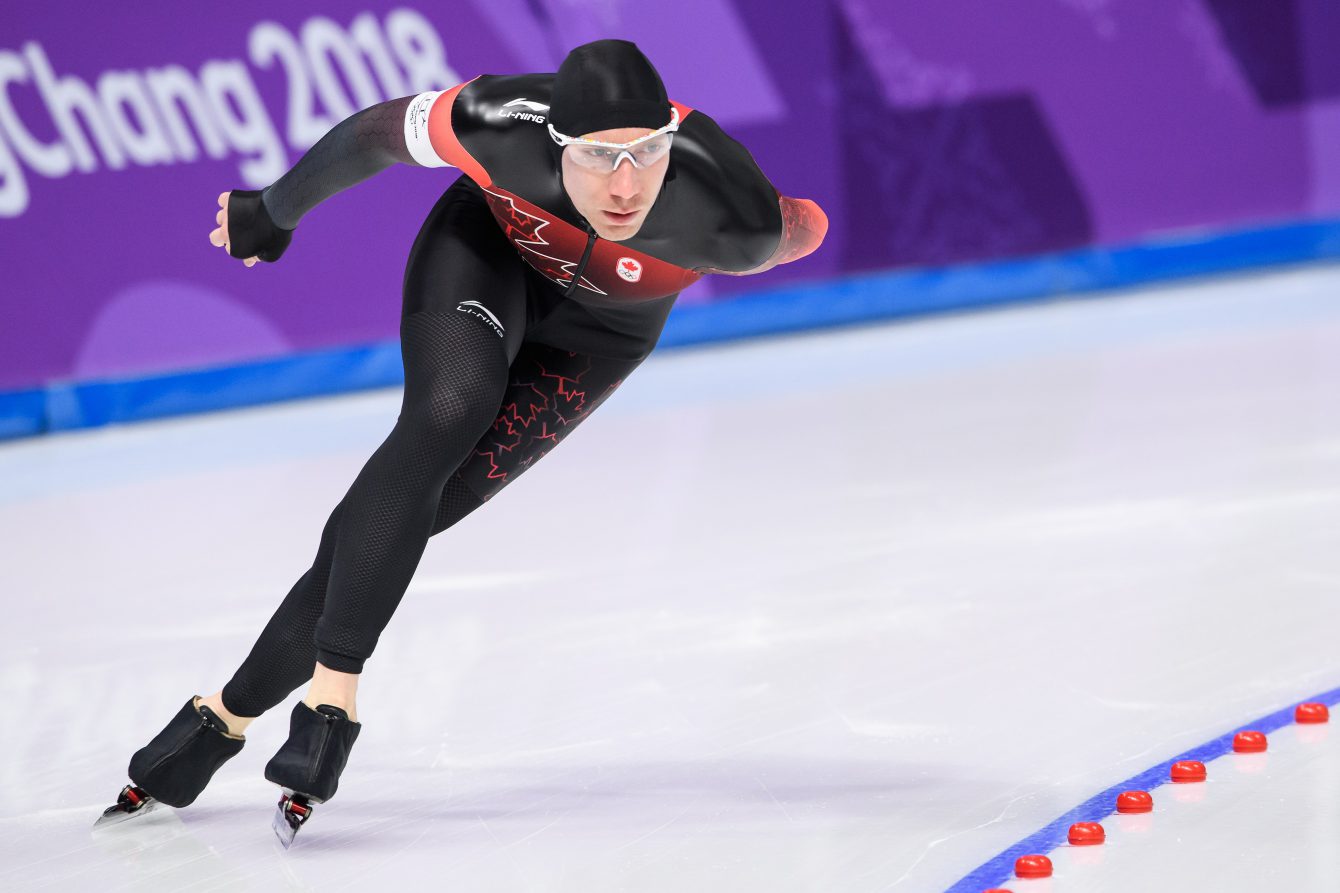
{"x":629,"y":268}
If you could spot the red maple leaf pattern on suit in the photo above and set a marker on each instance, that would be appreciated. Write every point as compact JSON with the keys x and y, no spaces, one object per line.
{"x":540,"y":407}
{"x":542,"y":243}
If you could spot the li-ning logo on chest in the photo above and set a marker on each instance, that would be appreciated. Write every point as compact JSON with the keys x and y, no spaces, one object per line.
{"x":529,"y":110}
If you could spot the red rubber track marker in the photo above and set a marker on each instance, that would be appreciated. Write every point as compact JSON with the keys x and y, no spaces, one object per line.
{"x":1185,"y":771}
{"x":1032,"y":867}
{"x":1134,"y":802}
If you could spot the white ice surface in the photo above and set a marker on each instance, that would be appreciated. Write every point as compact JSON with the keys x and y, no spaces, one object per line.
{"x":845,"y":612}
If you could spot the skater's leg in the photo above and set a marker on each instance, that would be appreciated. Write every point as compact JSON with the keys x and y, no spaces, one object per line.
{"x":549,"y":392}
{"x":455,"y":374}
{"x":319,"y":711}
{"x":340,"y":689}
{"x":275,"y":667}
{"x":459,"y":252}
{"x":284,"y":654}
{"x":463,"y":317}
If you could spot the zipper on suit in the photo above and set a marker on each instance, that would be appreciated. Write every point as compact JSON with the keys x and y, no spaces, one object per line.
{"x":581,"y":265}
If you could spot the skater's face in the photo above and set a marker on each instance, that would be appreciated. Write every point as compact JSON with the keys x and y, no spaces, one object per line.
{"x":615,"y":202}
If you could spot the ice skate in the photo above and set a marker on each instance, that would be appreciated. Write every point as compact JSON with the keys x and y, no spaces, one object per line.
{"x":176,"y":765}
{"x":133,"y":801}
{"x":309,"y":764}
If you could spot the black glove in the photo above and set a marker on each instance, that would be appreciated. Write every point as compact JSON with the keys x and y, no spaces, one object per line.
{"x":251,"y":232}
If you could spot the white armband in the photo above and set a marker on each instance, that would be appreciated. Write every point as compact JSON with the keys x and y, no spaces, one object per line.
{"x":416,"y":130}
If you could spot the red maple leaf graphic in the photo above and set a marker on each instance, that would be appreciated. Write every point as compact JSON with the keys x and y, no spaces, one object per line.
{"x":525,"y":231}
{"x":538,"y":407}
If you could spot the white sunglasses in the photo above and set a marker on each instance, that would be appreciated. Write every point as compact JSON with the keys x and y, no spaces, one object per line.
{"x":643,"y":151}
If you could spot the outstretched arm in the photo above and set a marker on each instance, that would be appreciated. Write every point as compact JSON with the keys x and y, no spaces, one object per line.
{"x":260,"y":223}
{"x":361,"y":145}
{"x":804,"y":226}
{"x":766,"y":228}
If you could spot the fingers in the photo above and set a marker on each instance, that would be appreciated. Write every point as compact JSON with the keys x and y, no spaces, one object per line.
{"x":219,"y":237}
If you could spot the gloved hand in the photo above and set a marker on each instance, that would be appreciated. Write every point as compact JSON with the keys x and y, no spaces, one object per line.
{"x":245,"y":229}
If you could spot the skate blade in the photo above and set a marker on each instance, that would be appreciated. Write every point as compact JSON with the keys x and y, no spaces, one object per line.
{"x":116,"y":815}
{"x":161,"y":833}
{"x":283,"y":830}
{"x":291,"y":814}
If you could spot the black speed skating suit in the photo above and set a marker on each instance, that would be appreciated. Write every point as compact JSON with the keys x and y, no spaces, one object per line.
{"x":517,"y":322}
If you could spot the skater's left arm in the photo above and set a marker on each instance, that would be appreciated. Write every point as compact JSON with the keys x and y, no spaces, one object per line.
{"x":804,"y":225}
{"x":766,"y":228}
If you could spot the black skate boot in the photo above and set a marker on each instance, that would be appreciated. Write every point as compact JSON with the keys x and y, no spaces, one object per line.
{"x":309,"y":764}
{"x":176,"y":765}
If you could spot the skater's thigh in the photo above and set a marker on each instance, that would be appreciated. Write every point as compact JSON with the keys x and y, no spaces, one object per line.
{"x":461,"y":263}
{"x":573,"y":358}
{"x":549,"y":392}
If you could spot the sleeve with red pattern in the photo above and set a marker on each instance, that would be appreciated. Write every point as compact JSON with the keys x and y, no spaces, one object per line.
{"x":430,"y":137}
{"x":804,"y":226}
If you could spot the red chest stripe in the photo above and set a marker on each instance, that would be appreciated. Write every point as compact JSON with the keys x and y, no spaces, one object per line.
{"x":554,"y":248}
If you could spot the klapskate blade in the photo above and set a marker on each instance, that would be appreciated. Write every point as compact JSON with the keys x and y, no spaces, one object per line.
{"x":115,"y":815}
{"x":283,"y":830}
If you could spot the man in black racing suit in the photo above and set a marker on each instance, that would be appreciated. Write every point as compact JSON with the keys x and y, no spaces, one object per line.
{"x":540,"y":280}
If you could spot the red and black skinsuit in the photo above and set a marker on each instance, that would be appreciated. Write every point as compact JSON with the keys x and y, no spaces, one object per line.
{"x":517,"y":322}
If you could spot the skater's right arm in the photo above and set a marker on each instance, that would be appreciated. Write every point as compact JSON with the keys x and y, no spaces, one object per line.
{"x":260,"y":224}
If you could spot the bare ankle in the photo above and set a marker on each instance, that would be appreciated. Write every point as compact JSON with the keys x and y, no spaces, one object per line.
{"x":334,"y":688}
{"x":237,"y":725}
{"x":316,"y":701}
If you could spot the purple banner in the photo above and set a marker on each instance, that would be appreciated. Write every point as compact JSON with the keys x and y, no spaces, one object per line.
{"x":931,"y":131}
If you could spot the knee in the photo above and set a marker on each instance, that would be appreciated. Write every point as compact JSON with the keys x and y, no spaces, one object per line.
{"x":457,"y":501}
{"x":450,"y":417}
